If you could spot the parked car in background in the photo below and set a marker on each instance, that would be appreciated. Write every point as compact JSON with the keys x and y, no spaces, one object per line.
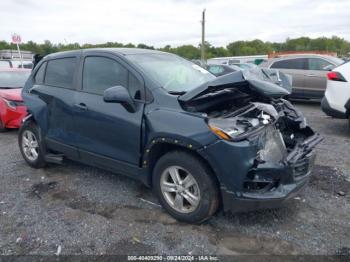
{"x":220,"y":70}
{"x":251,"y":59}
{"x":28,"y":64}
{"x":12,"y":109}
{"x":309,"y":73}
{"x":199,"y":141}
{"x":5,"y":64}
{"x":336,"y":102}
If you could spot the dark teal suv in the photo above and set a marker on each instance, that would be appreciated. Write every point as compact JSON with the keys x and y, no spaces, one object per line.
{"x":199,"y":141}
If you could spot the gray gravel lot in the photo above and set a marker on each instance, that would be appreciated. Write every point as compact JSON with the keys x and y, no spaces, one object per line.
{"x":84,"y":210}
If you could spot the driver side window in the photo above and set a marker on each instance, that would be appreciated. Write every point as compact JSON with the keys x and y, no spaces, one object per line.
{"x":100,"y":73}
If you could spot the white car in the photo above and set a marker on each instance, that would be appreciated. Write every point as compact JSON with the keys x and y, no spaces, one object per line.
{"x":336,"y":102}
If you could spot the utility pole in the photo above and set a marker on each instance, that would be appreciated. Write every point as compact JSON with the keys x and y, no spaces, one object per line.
{"x":203,"y":39}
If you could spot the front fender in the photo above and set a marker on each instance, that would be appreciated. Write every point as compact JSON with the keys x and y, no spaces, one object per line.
{"x":178,"y":125}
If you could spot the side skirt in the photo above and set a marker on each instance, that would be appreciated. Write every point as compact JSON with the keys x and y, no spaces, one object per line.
{"x":100,"y":161}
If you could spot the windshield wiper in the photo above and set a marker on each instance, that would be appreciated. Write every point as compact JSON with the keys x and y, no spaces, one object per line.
{"x":177,"y":92}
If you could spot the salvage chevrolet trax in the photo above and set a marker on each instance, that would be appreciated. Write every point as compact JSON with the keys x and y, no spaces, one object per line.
{"x":199,"y":141}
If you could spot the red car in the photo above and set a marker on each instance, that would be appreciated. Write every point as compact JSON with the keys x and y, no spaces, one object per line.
{"x":12,"y":109}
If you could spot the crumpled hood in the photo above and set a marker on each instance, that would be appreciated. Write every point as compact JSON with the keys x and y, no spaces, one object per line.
{"x":262,"y":82}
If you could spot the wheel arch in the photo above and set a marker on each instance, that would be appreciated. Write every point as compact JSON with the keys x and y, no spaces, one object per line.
{"x":160,"y":146}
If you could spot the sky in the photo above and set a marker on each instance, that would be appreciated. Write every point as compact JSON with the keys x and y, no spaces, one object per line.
{"x":172,"y":22}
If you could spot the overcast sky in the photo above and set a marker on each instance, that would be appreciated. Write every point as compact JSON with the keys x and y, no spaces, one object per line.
{"x":173,"y":22}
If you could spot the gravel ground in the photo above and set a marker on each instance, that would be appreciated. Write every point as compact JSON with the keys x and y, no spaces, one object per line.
{"x":83,"y":210}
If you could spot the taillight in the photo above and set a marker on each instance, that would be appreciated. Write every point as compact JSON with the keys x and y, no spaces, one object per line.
{"x":336,"y":76}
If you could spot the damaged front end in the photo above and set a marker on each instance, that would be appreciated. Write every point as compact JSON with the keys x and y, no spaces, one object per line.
{"x":265,"y":154}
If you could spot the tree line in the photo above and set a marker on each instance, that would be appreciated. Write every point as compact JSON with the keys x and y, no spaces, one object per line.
{"x":237,"y":48}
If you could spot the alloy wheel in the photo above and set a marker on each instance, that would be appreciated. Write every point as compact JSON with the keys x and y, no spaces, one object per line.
{"x":30,"y":145}
{"x":180,"y":189}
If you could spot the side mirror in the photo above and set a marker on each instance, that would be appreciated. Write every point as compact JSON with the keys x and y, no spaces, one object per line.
{"x":119,"y":94}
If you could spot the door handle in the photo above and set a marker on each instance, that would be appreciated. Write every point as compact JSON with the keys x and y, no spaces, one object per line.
{"x":81,"y":106}
{"x":310,"y":75}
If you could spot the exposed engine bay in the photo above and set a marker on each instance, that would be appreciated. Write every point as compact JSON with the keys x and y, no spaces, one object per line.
{"x":252,"y":109}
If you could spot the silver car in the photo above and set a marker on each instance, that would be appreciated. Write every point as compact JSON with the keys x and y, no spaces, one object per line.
{"x":309,"y":72}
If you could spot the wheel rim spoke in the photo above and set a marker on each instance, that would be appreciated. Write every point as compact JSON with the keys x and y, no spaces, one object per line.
{"x":34,"y":153}
{"x":179,"y":202}
{"x":180,"y":189}
{"x":35,"y":144}
{"x":30,"y":145}
{"x":174,"y":173}
{"x":192,"y":199}
{"x":188,"y":181}
{"x":169,"y":187}
{"x":25,"y":141}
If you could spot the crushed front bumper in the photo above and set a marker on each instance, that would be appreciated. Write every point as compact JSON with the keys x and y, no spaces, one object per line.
{"x":283,"y":181}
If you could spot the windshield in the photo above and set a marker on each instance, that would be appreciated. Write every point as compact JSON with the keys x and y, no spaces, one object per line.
{"x":13,"y":79}
{"x":173,"y":73}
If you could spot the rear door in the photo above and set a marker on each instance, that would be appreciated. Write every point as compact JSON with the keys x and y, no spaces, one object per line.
{"x":316,"y":76}
{"x":296,"y":68}
{"x":107,"y":130}
{"x":55,"y":86}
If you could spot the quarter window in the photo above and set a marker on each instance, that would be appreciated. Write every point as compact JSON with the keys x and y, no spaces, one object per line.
{"x":298,"y":63}
{"x":60,"y":72}
{"x":40,"y":74}
{"x":319,"y":64}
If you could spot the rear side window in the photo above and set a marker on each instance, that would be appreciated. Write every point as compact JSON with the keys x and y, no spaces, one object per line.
{"x":298,"y":63}
{"x":40,"y":74}
{"x":60,"y":72}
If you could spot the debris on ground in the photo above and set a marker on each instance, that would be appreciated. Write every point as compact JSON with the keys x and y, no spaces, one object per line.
{"x":41,"y":188}
{"x":341,"y":193}
{"x":59,"y":250}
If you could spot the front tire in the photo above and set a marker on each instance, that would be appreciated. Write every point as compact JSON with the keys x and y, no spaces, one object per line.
{"x":2,"y":127}
{"x":31,"y":145}
{"x":185,"y":187}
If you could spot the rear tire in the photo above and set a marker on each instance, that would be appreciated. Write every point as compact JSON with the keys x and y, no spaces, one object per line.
{"x":193,"y":196}
{"x":31,"y":145}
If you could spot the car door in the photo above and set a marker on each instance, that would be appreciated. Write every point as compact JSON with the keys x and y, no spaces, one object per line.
{"x":107,"y":130}
{"x":294,"y":67}
{"x":55,"y":87}
{"x":316,"y":76}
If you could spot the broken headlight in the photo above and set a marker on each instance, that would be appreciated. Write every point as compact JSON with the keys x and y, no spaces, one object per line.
{"x":273,"y":148}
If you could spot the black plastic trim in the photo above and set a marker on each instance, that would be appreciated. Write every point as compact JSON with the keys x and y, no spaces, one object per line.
{"x":330,"y":111}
